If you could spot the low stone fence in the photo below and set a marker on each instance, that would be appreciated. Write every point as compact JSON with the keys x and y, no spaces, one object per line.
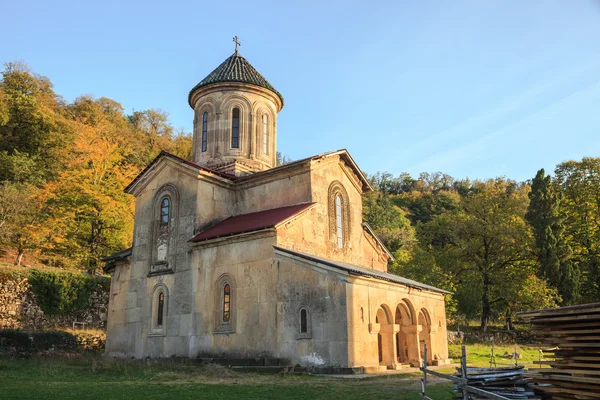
{"x":18,"y":343}
{"x":499,"y":337}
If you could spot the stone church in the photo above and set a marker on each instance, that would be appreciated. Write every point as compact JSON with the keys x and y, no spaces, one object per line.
{"x":235,"y":256}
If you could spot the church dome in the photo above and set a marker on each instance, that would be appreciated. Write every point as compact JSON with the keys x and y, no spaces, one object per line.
{"x":235,"y":69}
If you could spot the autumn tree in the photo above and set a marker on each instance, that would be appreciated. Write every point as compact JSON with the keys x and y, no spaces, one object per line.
{"x":91,"y":215}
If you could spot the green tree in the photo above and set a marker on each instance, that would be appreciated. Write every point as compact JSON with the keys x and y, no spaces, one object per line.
{"x":579,"y":183}
{"x":554,"y":254}
{"x":32,"y":119}
{"x":390,"y":224}
{"x":486,"y":245}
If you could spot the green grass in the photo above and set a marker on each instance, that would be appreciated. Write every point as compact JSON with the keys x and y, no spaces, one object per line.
{"x":102,"y":378}
{"x":478,"y":355}
{"x":96,"y":378}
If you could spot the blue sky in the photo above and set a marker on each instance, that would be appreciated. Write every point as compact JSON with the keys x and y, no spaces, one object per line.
{"x":470,"y":88}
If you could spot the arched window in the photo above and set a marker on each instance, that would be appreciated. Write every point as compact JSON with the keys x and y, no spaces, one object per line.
{"x":339,"y":221}
{"x":226,"y":303}
{"x":204,"y":131}
{"x":164,"y":212}
{"x":339,"y":215}
{"x":158,"y":306}
{"x":235,"y":128}
{"x":303,"y":327}
{"x":265,"y":120}
{"x":303,"y":321}
{"x":225,"y":310}
{"x":163,"y":238}
{"x":160,"y":309}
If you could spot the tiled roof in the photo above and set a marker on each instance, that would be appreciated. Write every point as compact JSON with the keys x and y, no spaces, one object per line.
{"x":235,"y":69}
{"x":251,"y":222}
{"x":362,"y":271}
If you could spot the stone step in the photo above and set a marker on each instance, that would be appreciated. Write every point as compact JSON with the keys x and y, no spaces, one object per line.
{"x":244,"y":362}
{"x":375,"y":369}
{"x":398,"y":367}
{"x":275,"y":369}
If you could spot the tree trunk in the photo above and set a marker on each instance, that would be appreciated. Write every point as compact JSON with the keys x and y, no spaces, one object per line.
{"x":508,"y":321}
{"x":486,"y":308}
{"x":19,"y":258}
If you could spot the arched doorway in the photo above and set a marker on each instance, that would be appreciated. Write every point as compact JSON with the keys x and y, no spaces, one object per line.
{"x":402,"y":318}
{"x":425,"y":335}
{"x":385,"y":336}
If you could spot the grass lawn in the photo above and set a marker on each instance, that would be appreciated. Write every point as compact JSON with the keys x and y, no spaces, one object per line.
{"x":478,"y":355}
{"x":96,"y":378}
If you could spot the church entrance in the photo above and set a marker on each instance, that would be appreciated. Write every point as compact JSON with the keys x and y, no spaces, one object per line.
{"x":403,"y":319}
{"x":385,"y":337}
{"x":425,"y":335}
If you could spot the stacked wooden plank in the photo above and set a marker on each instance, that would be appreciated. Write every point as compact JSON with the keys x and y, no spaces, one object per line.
{"x":509,"y":383}
{"x":574,"y":365}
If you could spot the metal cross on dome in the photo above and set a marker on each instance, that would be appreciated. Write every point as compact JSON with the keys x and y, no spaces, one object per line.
{"x":237,"y":43}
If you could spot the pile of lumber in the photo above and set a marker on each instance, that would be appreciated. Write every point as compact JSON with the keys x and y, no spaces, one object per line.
{"x":574,"y":364}
{"x":510,"y":383}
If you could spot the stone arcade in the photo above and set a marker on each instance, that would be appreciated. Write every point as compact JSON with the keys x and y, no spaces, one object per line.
{"x":236,"y":257}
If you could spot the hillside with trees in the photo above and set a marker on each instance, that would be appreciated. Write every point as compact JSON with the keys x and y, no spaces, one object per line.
{"x":63,"y":168}
{"x":499,"y":245}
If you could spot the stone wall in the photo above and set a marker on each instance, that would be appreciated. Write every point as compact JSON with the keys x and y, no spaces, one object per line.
{"x":499,"y":337}
{"x":19,"y":308}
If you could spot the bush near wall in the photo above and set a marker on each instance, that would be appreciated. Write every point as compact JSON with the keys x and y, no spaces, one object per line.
{"x":37,"y":299}
{"x":64,"y":293}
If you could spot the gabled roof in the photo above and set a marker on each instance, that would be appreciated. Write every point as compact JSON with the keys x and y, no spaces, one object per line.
{"x":165,"y":154}
{"x":343,"y":153}
{"x":251,"y":222}
{"x":371,"y":232}
{"x":361,"y":271}
{"x":235,"y":69}
{"x":118,"y":256}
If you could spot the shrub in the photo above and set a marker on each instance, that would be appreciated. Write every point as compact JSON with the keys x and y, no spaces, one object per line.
{"x":61,"y":293}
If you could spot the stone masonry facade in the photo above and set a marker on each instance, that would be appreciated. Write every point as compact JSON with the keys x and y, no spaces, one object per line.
{"x":234,"y":257}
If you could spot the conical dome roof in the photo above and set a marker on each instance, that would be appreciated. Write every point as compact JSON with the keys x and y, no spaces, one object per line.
{"x":235,"y":69}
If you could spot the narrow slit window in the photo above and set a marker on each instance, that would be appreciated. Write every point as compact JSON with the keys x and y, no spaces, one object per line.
{"x":265,"y":133}
{"x":164,"y":212}
{"x":204,"y":131}
{"x":339,"y":221}
{"x":235,"y":128}
{"x":303,"y":321}
{"x":226,"y":303}
{"x":160,"y":309}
